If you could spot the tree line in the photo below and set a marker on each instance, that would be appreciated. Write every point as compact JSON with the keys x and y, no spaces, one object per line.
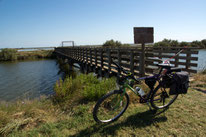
{"x":175,"y":43}
{"x":163,"y":43}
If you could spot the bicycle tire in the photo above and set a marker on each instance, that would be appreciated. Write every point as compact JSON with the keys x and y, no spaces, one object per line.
{"x":106,"y":102}
{"x":155,"y":102}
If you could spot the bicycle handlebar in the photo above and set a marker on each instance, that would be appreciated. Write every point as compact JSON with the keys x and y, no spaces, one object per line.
{"x":119,"y":67}
{"x":123,"y":70}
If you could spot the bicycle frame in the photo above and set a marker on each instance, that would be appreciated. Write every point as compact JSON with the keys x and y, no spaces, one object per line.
{"x":127,"y":86}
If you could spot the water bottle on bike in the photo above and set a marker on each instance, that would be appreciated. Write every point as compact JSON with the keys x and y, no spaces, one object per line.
{"x":139,"y":91}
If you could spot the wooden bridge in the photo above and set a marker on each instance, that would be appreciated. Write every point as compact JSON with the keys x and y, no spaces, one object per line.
{"x":139,"y":61}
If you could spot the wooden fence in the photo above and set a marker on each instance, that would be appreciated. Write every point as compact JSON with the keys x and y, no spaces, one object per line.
{"x":135,"y":59}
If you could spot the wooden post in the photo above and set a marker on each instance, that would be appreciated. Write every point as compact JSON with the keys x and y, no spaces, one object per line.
{"x":160,"y":53}
{"x":176,"y":60}
{"x":73,"y":51}
{"x":142,"y":60}
{"x":76,"y":51}
{"x":119,"y":62}
{"x":132,"y":62}
{"x":87,"y":69}
{"x":79,"y":54}
{"x":119,"y":57}
{"x":102,"y":62}
{"x":69,"y":52}
{"x":109,"y":59}
{"x":188,"y":59}
{"x":95,"y":51}
{"x":83,"y":54}
{"x":86,"y":55}
{"x":90,"y":52}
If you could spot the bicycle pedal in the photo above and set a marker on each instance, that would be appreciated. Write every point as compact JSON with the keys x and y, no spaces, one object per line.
{"x":142,"y":100}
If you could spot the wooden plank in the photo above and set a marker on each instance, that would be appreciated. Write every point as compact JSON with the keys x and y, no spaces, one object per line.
{"x":149,"y":70}
{"x":126,"y":65}
{"x":149,"y":63}
{"x":125,"y":59}
{"x":184,"y":64}
{"x":172,"y":51}
{"x":190,"y":70}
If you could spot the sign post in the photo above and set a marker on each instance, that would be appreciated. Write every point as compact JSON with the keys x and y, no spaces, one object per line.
{"x":143,"y":35}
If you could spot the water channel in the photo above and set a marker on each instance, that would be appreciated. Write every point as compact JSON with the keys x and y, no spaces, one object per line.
{"x":27,"y":79}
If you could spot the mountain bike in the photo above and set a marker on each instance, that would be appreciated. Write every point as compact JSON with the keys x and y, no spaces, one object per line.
{"x":112,"y":105}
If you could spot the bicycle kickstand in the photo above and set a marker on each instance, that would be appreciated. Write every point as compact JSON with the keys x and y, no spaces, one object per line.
{"x":149,"y":105}
{"x":150,"y":108}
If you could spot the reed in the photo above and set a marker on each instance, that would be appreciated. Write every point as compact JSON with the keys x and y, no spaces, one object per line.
{"x":12,"y":54}
{"x":8,"y":54}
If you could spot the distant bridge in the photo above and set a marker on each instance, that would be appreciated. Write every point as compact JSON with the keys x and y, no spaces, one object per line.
{"x":36,"y":48}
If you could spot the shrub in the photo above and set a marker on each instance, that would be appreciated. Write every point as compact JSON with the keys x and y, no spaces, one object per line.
{"x":89,"y":86}
{"x":183,"y":44}
{"x":93,"y":91}
{"x":112,"y":43}
{"x":65,"y":89}
{"x":197,"y":44}
{"x":167,"y":43}
{"x":8,"y":54}
{"x":204,"y":43}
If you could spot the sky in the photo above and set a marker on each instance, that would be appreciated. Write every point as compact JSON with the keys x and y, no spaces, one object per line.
{"x":45,"y":23}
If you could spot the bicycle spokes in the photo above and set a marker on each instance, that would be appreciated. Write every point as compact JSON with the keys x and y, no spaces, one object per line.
{"x":112,"y":106}
{"x":161,"y":98}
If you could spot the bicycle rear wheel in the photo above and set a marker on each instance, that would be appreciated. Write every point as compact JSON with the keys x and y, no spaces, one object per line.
{"x":161,"y":98}
{"x":111,"y":106}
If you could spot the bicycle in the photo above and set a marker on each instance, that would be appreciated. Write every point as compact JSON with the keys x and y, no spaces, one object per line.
{"x":112,"y":105}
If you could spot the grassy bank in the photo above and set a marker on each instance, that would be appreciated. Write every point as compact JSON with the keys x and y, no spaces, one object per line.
{"x":13,"y":54}
{"x":34,"y":54}
{"x":72,"y":116}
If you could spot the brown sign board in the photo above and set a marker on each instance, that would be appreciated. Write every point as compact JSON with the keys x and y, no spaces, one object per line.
{"x":143,"y":35}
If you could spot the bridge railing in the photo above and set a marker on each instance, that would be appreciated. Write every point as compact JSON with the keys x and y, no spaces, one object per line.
{"x":134,"y":59}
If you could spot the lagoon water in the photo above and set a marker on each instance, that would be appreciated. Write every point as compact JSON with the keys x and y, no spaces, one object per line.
{"x":27,"y":79}
{"x":30,"y":79}
{"x":201,"y":60}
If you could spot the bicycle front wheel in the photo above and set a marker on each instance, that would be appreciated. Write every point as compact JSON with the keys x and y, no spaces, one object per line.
{"x":161,"y":98}
{"x":111,"y":106}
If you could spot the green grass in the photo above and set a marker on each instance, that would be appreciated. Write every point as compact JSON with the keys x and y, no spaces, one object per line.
{"x":89,"y":86}
{"x":186,"y":117}
{"x":72,"y":116}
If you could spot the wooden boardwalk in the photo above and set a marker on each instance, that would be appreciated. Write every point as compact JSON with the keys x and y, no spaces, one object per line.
{"x":135,"y":59}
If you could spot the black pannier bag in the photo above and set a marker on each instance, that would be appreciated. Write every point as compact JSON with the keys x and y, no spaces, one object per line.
{"x":180,"y":83}
{"x":150,"y":82}
{"x":167,"y":80}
